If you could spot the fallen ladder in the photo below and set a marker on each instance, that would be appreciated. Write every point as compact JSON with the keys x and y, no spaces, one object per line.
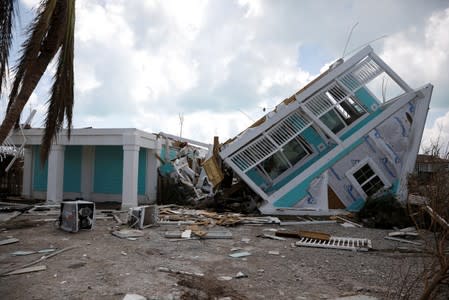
{"x":343,"y":243}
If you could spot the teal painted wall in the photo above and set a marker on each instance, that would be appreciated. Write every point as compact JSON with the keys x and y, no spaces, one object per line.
{"x":108,"y":169}
{"x":72,"y":169}
{"x":365,"y":98}
{"x":312,"y":137}
{"x":39,"y":173}
{"x":141,"y":179}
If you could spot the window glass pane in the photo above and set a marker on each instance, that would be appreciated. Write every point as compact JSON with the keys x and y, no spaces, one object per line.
{"x":363,"y":174}
{"x":275,"y":165}
{"x":294,"y":151}
{"x":353,"y":110}
{"x":372,"y":186}
{"x":332,"y":121}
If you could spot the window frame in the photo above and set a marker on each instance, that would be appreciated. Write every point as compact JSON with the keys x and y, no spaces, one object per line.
{"x":307,"y":149}
{"x":376,"y":170}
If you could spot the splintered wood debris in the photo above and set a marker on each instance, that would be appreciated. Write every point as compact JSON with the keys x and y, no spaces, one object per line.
{"x":170,"y":215}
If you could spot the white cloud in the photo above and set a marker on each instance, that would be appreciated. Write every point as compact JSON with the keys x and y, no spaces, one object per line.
{"x":140,"y":63}
{"x":437,"y":134}
{"x":421,"y":57}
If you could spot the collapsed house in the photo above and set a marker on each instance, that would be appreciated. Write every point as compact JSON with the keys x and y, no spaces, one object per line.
{"x":352,"y":133}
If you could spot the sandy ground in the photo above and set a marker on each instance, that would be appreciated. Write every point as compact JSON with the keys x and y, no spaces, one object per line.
{"x":103,"y":266}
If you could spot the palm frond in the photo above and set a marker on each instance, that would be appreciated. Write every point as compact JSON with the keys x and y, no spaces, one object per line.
{"x":61,"y":99}
{"x":37,"y":33}
{"x":7,"y":15}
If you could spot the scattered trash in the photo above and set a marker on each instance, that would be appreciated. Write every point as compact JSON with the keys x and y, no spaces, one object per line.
{"x":127,"y":233}
{"x":211,"y":234}
{"x":186,"y":234}
{"x":123,"y":253}
{"x":48,"y":250}
{"x":8,"y":241}
{"x":239,"y":254}
{"x":167,"y":270}
{"x":22,"y":253}
{"x":26,"y":270}
{"x":272,"y":252}
{"x":224,"y":278}
{"x":241,"y":275}
{"x":245,"y":240}
{"x":134,"y":297}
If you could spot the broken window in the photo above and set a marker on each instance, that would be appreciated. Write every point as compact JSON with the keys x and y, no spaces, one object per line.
{"x":345,"y":109}
{"x":289,"y":155}
{"x":369,"y":181}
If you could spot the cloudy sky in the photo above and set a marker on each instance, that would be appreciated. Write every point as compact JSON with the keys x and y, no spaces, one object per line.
{"x":217,"y":64}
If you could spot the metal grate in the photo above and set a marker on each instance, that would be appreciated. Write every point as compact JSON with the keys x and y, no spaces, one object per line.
{"x":362,"y":73}
{"x":280,"y":134}
{"x":343,"y":243}
{"x":288,"y":128}
{"x":254,"y":153}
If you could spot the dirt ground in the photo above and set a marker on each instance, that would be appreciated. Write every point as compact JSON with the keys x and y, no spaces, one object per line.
{"x":102,"y":266}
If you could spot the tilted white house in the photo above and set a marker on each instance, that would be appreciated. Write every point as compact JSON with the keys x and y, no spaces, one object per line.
{"x":353,"y":131}
{"x":116,"y":165}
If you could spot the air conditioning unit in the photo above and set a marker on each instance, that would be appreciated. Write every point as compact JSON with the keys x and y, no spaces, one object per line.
{"x":143,"y":216}
{"x":77,"y":215}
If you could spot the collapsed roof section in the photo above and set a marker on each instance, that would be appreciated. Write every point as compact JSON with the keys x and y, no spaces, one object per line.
{"x":351,"y":133}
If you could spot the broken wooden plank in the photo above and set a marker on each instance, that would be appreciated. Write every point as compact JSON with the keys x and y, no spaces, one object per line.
{"x":5,"y":217}
{"x":304,"y":234}
{"x":168,"y":270}
{"x":239,"y":254}
{"x":348,"y":221}
{"x":8,"y":241}
{"x":404,"y":234}
{"x":22,"y":253}
{"x":45,"y":257}
{"x":287,"y":223}
{"x":27,"y":270}
{"x":273,"y":237}
{"x":127,"y":233}
{"x":402,"y":240}
{"x":117,"y":219}
{"x":213,"y":234}
{"x":436,"y":217}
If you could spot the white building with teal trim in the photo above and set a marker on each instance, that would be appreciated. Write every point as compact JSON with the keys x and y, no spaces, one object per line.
{"x":353,"y":131}
{"x":117,"y":165}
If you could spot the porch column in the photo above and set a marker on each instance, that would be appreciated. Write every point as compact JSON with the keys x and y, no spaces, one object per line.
{"x":55,"y":178}
{"x":151,"y":174}
{"x":27,"y":179}
{"x":87,"y":166}
{"x":130,"y":173}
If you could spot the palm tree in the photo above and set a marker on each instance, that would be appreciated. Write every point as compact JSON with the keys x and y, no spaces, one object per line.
{"x":50,"y":35}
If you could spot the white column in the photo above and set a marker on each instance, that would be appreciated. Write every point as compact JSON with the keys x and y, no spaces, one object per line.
{"x":151,"y":174}
{"x":87,"y":171}
{"x":55,"y":178}
{"x":130,"y":173}
{"x":27,"y":179}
